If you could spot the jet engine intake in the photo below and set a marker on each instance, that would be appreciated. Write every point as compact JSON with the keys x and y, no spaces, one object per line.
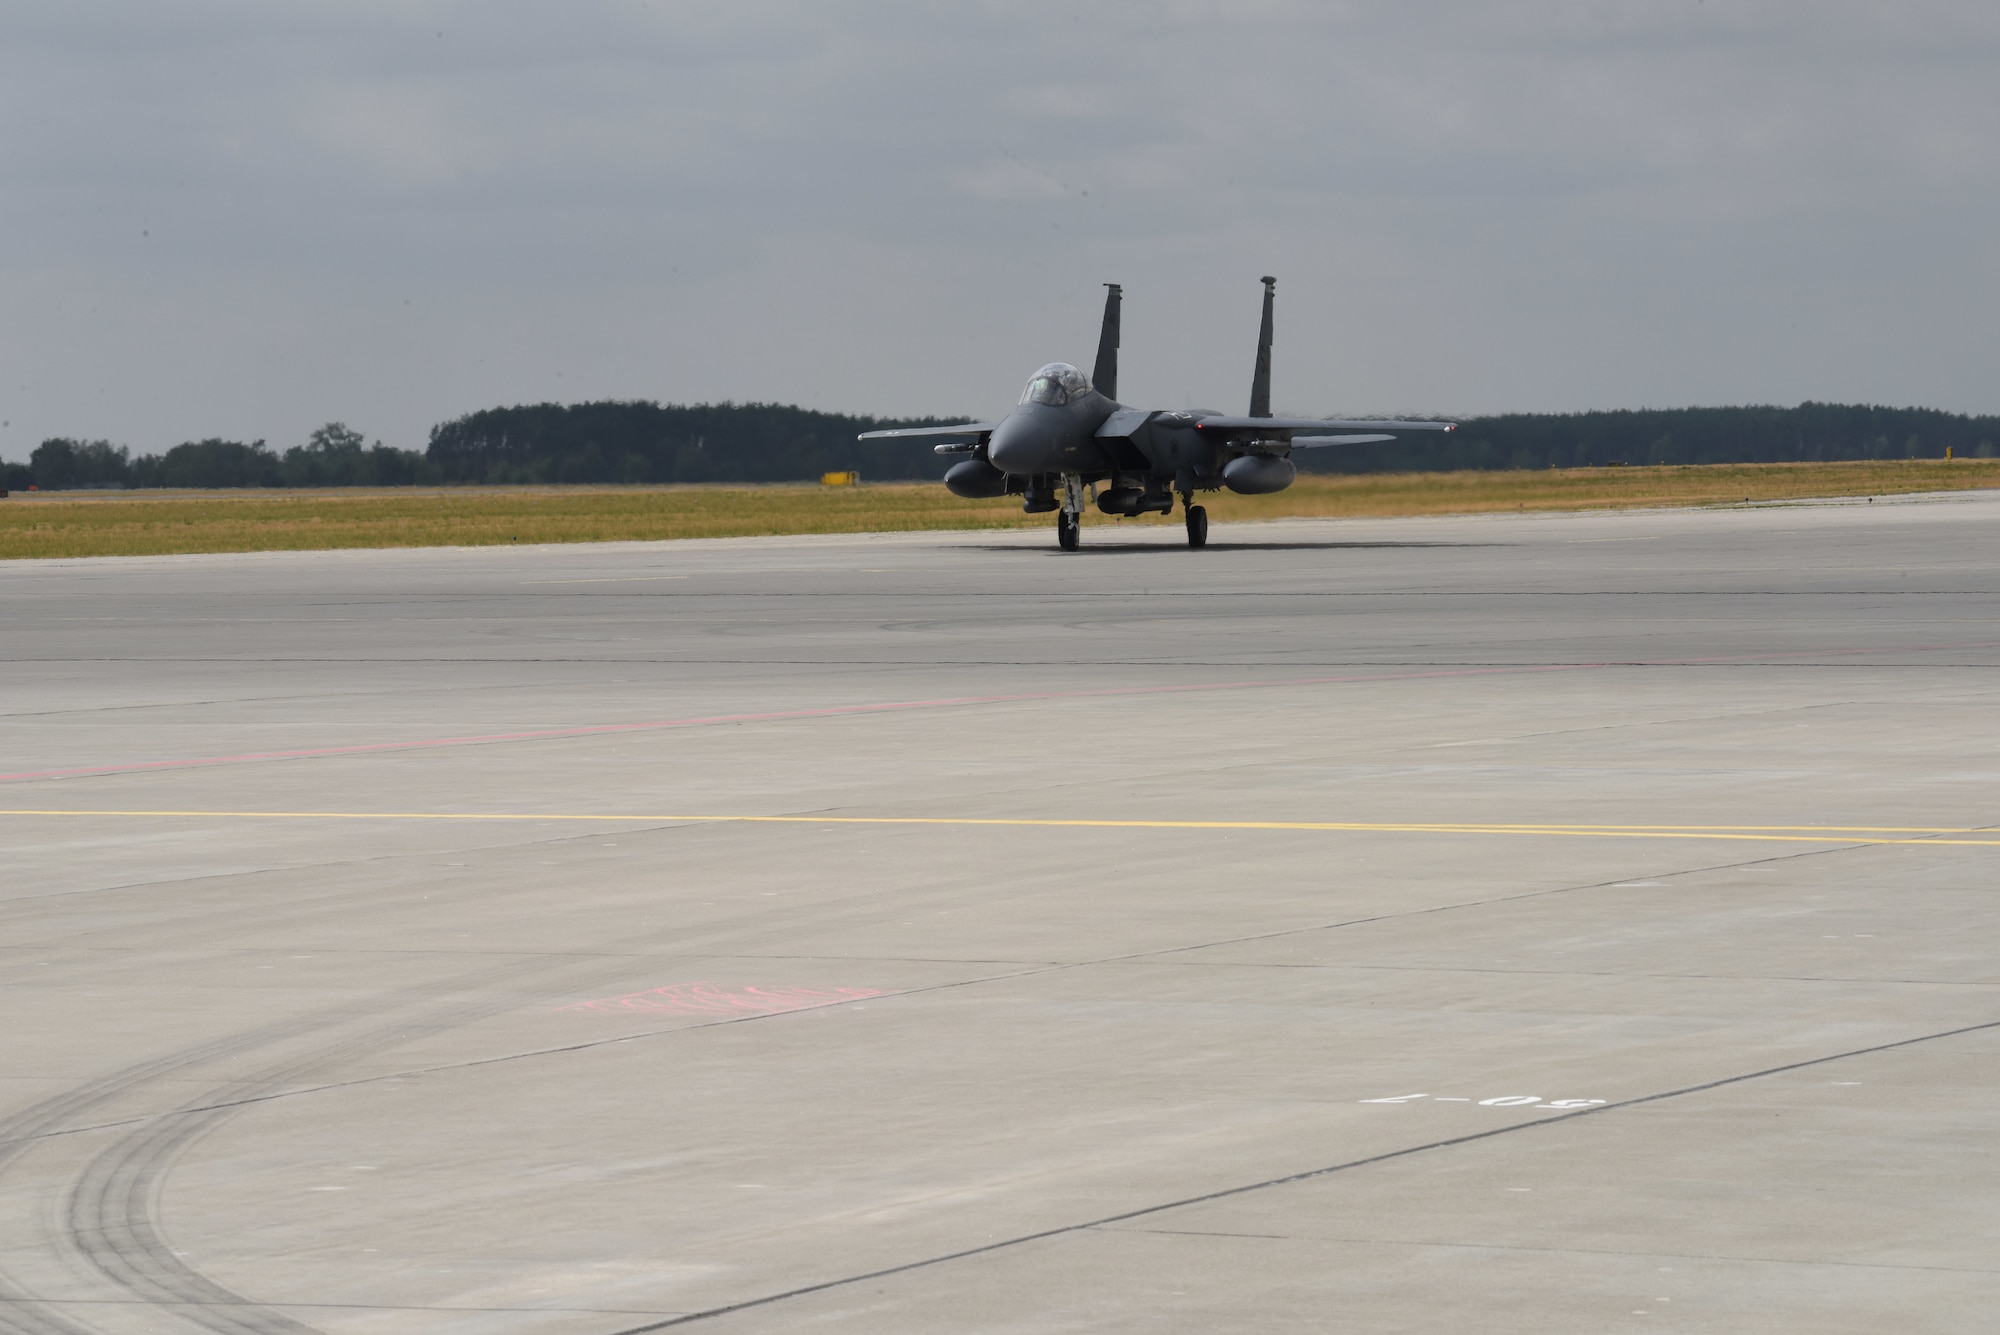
{"x":1258,"y":474}
{"x":976,"y":480}
{"x":1131,"y":501}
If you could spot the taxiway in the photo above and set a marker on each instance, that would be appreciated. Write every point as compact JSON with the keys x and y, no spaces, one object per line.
{"x":1521,"y":923}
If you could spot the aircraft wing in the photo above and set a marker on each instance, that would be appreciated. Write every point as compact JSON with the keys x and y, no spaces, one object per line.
{"x":921,"y":432}
{"x":1314,"y":442}
{"x":1290,"y":424}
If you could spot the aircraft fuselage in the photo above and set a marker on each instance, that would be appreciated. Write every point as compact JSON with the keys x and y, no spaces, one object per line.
{"x":1142,"y":456}
{"x":1042,"y":438}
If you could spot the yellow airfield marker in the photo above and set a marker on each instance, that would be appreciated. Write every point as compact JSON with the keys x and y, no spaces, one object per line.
{"x":1803,"y":834}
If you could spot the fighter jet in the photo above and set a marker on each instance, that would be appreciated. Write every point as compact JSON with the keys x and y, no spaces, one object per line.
{"x":1069,"y":434}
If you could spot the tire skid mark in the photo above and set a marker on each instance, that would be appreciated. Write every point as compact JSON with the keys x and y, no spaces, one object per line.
{"x":22,"y":1315}
{"x":125,"y":1176}
{"x":19,"y":1316}
{"x":112,"y":1214}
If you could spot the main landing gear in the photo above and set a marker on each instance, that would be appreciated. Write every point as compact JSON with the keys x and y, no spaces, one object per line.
{"x":1069,"y":520}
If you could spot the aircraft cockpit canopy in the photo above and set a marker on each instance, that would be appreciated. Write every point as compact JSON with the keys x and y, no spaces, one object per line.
{"x":1056,"y":384}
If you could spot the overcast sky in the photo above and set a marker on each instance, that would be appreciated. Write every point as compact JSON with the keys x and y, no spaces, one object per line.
{"x":247,"y":219}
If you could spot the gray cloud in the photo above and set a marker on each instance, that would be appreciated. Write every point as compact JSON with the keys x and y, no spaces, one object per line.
{"x":245,"y":219}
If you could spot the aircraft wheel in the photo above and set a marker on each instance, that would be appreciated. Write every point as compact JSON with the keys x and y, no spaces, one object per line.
{"x":1197,"y":525}
{"x":1069,"y":531}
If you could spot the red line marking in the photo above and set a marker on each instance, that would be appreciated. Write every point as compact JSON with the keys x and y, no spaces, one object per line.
{"x":711,"y":999}
{"x":831,"y":711}
{"x":944,"y":702}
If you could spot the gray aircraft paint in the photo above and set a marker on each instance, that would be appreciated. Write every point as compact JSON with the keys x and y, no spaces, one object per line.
{"x":1067,"y":435}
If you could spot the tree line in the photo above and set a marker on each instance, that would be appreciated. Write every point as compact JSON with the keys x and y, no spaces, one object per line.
{"x":651,"y":442}
{"x":333,"y":456}
{"x":639,"y":442}
{"x":537,"y":443}
{"x":1809,"y":433}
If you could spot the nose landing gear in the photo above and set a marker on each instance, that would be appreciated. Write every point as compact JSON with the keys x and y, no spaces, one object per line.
{"x":1069,"y":521}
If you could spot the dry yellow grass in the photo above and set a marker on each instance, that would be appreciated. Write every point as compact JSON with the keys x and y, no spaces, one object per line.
{"x":147,"y":523}
{"x":156,"y":523}
{"x":1386,"y":494}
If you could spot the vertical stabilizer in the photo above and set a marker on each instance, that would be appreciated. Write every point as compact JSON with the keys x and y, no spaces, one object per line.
{"x":1260,"y":381}
{"x":1104,"y":377}
{"x":1261,"y":378}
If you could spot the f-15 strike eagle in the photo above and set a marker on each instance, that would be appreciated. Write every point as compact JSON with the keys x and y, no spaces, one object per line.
{"x":1068,"y":433}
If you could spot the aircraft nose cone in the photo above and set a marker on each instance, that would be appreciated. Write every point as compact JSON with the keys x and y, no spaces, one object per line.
{"x":1017,"y":447}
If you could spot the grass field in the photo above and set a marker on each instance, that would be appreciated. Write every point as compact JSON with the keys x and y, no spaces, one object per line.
{"x":51,"y":524}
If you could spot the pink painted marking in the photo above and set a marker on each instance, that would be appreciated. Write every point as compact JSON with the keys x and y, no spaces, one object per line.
{"x":709,"y":999}
{"x":832,"y":711}
{"x":944,"y":702}
{"x":539,"y":734}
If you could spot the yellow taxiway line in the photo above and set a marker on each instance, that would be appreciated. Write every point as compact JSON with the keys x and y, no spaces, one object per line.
{"x":1804,"y":834}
